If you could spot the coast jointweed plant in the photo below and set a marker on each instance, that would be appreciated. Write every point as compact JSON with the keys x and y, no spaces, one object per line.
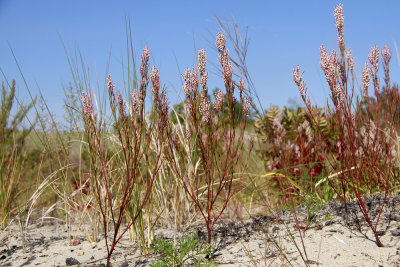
{"x":130,"y":184}
{"x":214,"y":145}
{"x":363,"y":159}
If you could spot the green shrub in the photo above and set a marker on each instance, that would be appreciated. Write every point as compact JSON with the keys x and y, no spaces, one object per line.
{"x":290,"y":143}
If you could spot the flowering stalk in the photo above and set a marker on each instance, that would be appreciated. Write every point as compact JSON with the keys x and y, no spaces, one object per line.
{"x":116,"y":194}
{"x":214,"y":145}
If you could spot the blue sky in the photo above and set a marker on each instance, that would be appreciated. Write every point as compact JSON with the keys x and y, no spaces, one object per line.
{"x":283,"y":34}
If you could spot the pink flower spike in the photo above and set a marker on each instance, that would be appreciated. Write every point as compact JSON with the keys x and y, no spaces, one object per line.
{"x":339,"y":93}
{"x":298,"y":80}
{"x":202,"y":57}
{"x":226,"y":64}
{"x":339,"y":18}
{"x":203,"y":81}
{"x":220,"y":42}
{"x":87,"y":104}
{"x":219,"y":100}
{"x":241,"y":85}
{"x":144,"y":61}
{"x":110,"y":84}
{"x":194,"y":80}
{"x":204,"y":109}
{"x":155,"y":80}
{"x":366,"y":78}
{"x":350,"y":59}
{"x":134,"y":102}
{"x":186,"y":82}
{"x":386,"y":53}
{"x":121,"y":103}
{"x":246,"y":107}
{"x":373,"y":57}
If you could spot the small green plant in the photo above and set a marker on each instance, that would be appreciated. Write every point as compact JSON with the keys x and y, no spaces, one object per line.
{"x":313,"y":207}
{"x":187,"y":251}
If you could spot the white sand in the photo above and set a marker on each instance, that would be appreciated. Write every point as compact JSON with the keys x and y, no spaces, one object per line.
{"x":240,"y":243}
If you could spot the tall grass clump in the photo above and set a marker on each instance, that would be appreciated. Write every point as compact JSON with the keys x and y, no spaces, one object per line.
{"x":170,"y":200}
{"x":12,"y":139}
{"x":363,"y":157}
{"x":122,"y":182}
{"x":214,"y":145}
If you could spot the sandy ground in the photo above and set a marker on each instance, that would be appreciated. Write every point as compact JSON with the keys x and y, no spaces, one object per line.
{"x":332,"y":238}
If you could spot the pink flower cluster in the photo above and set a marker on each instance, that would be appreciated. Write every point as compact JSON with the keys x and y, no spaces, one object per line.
{"x":110,"y":84}
{"x":386,"y":53}
{"x":366,"y":78}
{"x":223,"y":58}
{"x":241,"y":85}
{"x":219,"y":100}
{"x":145,"y":62}
{"x":87,"y":105}
{"x":121,"y":103}
{"x":202,"y":57}
{"x":163,"y":107}
{"x":246,"y":107}
{"x":350,"y":59}
{"x":373,"y":57}
{"x":339,"y":93}
{"x":136,"y":103}
{"x":339,"y":23}
{"x":155,"y":80}
{"x":190,"y":82}
{"x":226,"y":64}
{"x":220,"y":42}
{"x":298,"y":80}
{"x":204,"y":108}
{"x":329,"y":64}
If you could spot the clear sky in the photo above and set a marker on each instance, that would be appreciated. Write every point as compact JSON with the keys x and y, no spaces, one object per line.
{"x":283,"y":34}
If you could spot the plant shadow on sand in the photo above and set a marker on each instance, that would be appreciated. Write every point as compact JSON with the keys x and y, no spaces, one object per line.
{"x":333,"y":238}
